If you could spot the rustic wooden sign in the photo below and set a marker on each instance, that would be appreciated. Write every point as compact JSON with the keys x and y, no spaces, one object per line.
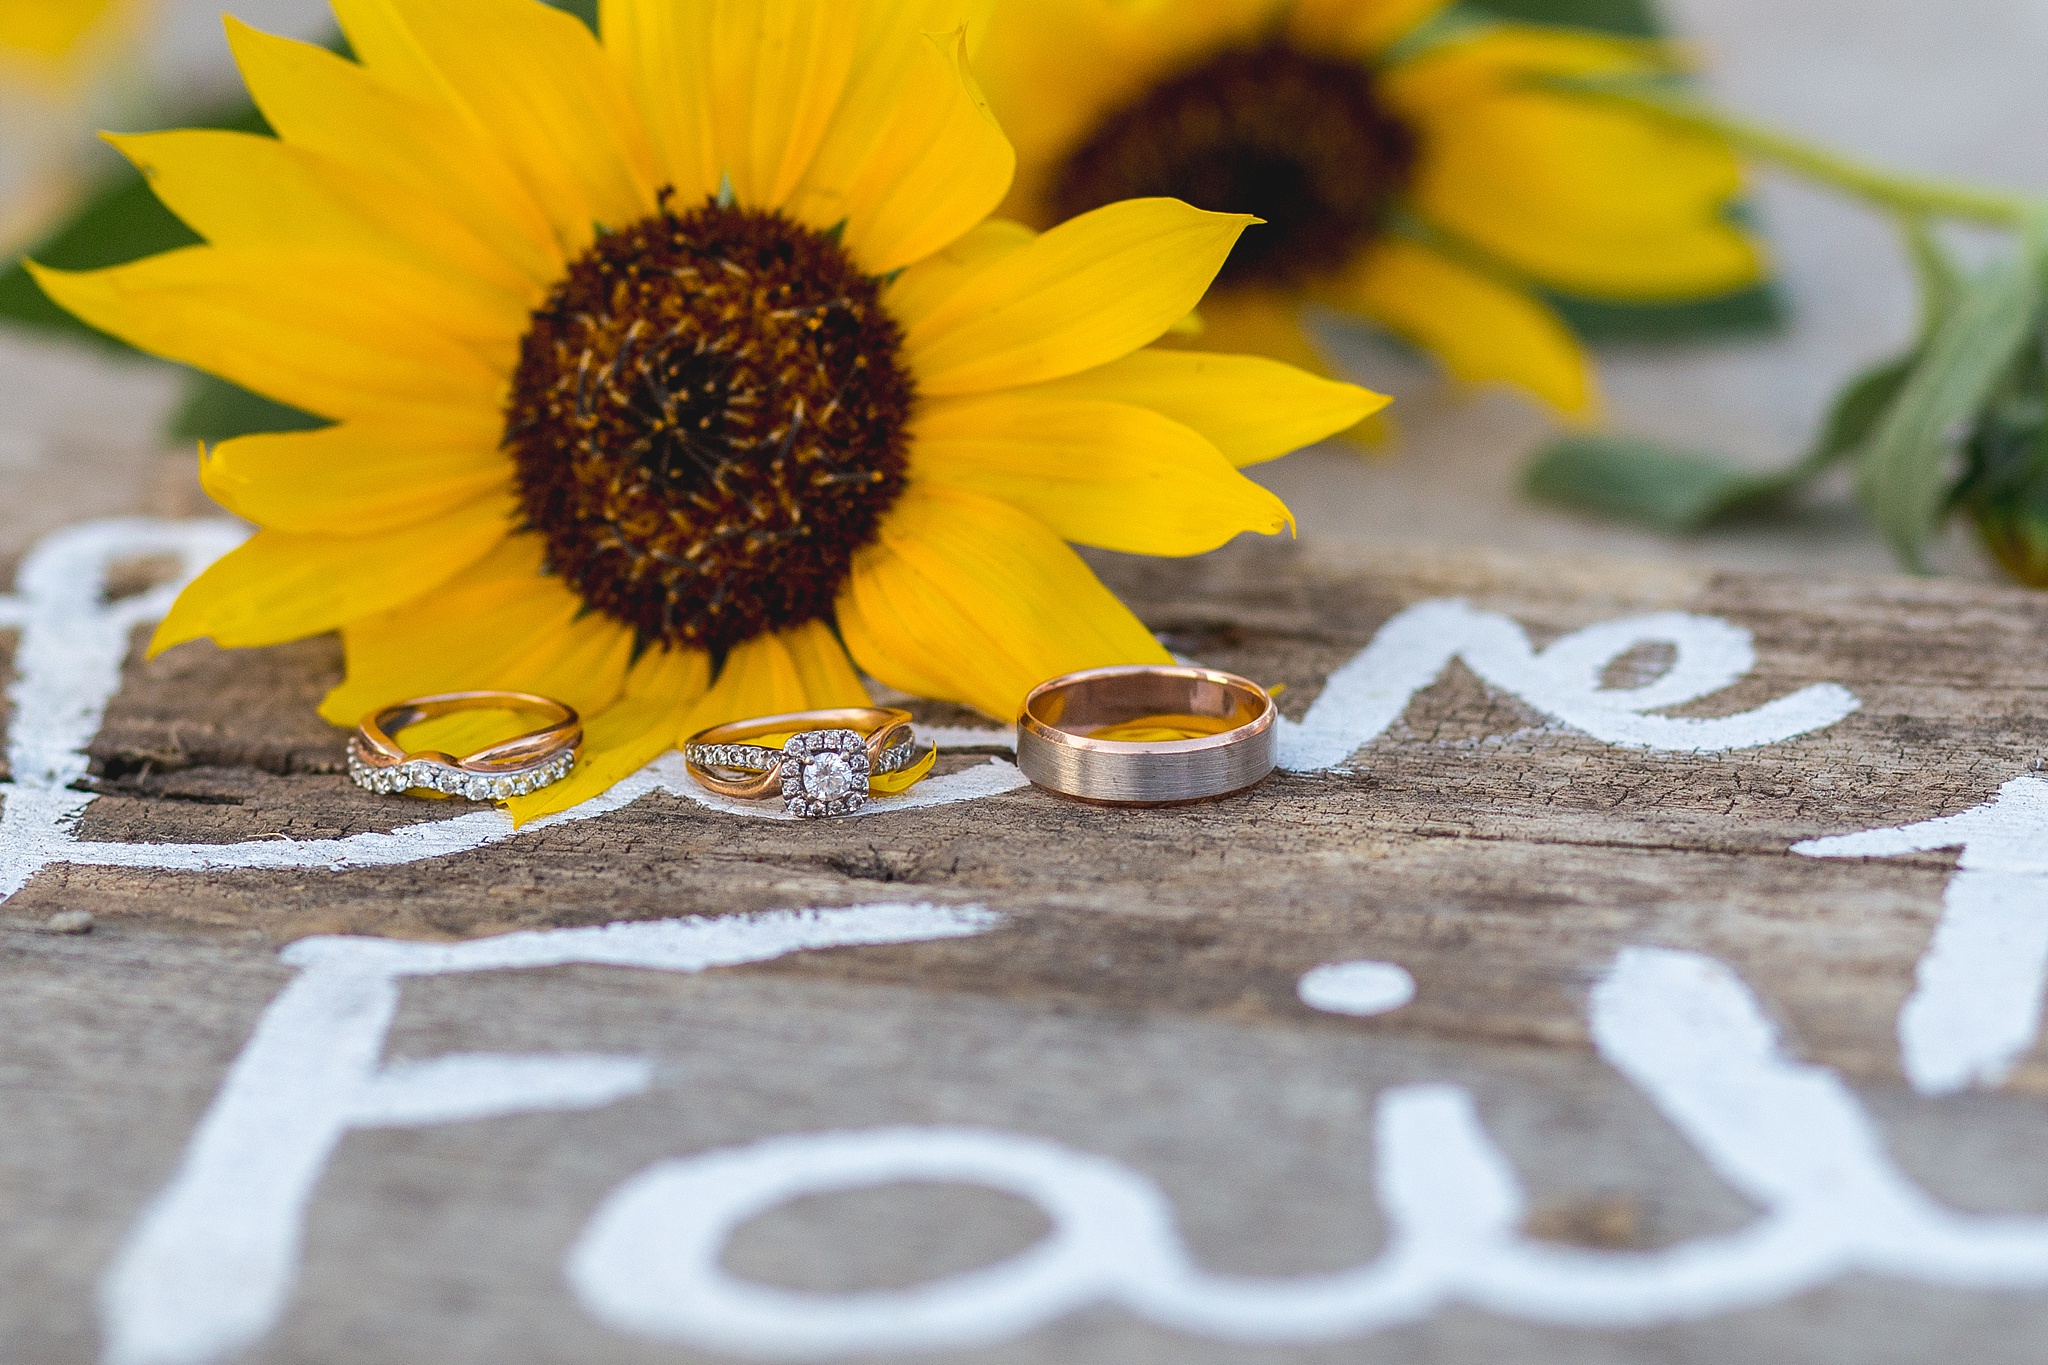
{"x":1629,"y":963}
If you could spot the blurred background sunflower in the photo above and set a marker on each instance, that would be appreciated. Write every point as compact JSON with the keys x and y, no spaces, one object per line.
{"x":57,"y":58}
{"x":1411,"y":167}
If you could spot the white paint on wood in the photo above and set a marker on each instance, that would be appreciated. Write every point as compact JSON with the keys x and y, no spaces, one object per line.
{"x":649,"y":1264}
{"x":463,"y":1088}
{"x":1976,"y":1002}
{"x":673,"y":945}
{"x":1363,"y":699}
{"x":1361,"y":988}
{"x":210,"y":1267}
{"x":968,"y":737}
{"x":67,"y":666}
{"x":73,"y":643}
{"x":1791,"y":1137}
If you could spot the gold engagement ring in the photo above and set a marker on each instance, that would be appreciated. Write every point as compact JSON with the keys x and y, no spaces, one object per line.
{"x":1146,"y":735}
{"x":822,"y":768}
{"x":515,"y":767}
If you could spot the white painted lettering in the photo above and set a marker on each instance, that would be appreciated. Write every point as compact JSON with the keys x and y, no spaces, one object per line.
{"x":210,"y":1267}
{"x":1976,"y":1003}
{"x":1789,"y":1136}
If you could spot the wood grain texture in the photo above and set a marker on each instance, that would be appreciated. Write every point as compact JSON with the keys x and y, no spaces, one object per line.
{"x":1499,"y":856}
{"x":1139,"y":1001}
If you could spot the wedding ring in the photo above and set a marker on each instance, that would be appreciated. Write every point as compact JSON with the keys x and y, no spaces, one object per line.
{"x":516,"y":767}
{"x":1066,"y":736}
{"x":822,"y":769}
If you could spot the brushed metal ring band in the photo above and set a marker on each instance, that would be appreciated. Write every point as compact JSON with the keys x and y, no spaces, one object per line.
{"x":1058,"y":747}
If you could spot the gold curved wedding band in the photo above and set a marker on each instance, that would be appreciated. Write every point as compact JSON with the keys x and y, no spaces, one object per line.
{"x":822,"y":769}
{"x":515,"y":767}
{"x":1062,"y":744}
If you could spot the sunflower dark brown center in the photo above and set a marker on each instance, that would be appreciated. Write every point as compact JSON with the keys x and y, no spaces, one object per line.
{"x":1300,"y":140}
{"x":708,"y":420}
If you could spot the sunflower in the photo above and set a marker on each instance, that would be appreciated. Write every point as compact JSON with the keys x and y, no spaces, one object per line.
{"x":1410,"y":166}
{"x":47,"y":40}
{"x":684,"y":375}
{"x":55,"y":57}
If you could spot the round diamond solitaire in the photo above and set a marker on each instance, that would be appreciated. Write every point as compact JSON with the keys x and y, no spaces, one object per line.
{"x":828,"y":777}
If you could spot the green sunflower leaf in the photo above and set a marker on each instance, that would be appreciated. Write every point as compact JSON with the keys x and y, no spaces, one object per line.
{"x":1759,"y":310}
{"x":1643,"y":481}
{"x":1639,"y":480}
{"x":1859,"y":407}
{"x":1903,"y":473}
{"x":1941,"y":279}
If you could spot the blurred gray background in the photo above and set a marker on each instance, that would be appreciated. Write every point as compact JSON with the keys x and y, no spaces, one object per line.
{"x":1952,"y":89}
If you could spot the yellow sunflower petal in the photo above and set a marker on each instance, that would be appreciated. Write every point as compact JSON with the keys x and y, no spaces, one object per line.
{"x":913,"y":161}
{"x":54,"y":31}
{"x":1098,"y":473}
{"x":1249,"y":407}
{"x":535,"y":78}
{"x":756,"y":84}
{"x":896,"y":783}
{"x":498,"y":625}
{"x":658,"y":47}
{"x":240,"y":190}
{"x":828,"y":676}
{"x":334,"y":335}
{"x":1481,"y":329}
{"x":804,"y":669}
{"x":283,"y":586}
{"x":967,"y":599}
{"x":380,"y":38}
{"x":637,"y":729}
{"x":778,"y":70}
{"x":357,"y":477}
{"x":1258,"y":321}
{"x":786,"y":99}
{"x":758,"y":680}
{"x":932,"y":281}
{"x":1090,"y":291}
{"x":1361,"y":28}
{"x":327,"y":104}
{"x":1587,"y":197}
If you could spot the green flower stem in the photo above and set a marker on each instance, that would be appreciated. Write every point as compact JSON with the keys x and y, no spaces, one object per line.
{"x":1907,"y":196}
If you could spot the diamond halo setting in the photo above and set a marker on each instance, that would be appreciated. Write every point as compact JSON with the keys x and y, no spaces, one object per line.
{"x":825,"y":773}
